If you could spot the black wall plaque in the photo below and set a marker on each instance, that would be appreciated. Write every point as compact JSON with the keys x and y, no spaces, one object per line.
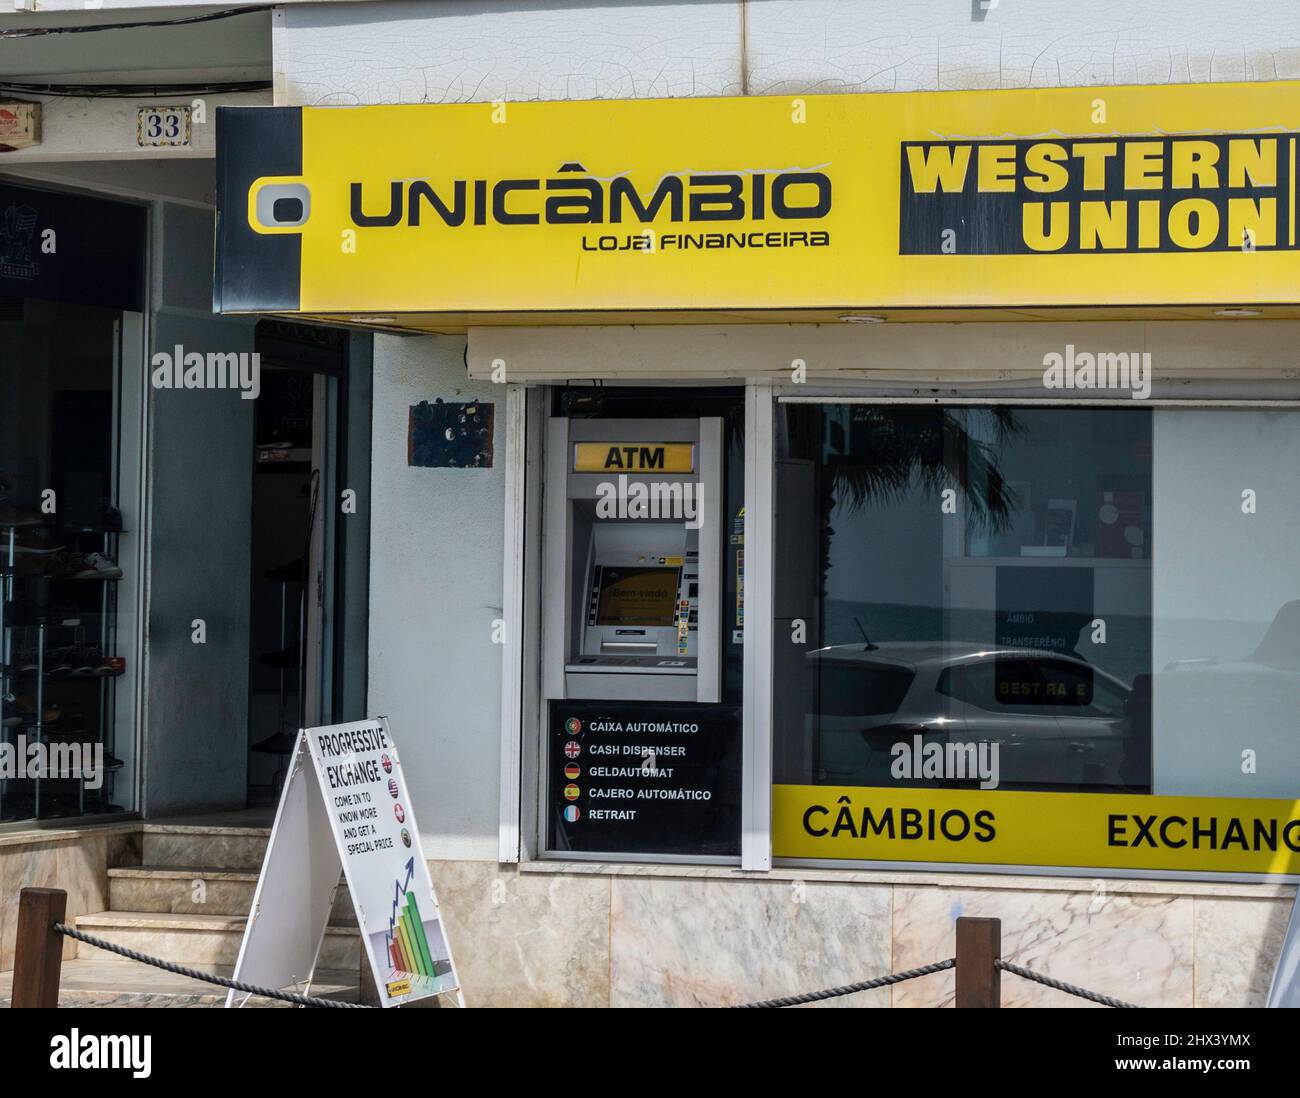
{"x":645,"y":778}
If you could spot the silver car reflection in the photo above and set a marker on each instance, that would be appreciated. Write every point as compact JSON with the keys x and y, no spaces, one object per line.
{"x":1057,"y":721}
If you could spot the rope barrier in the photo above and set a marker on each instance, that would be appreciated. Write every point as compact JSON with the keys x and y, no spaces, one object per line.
{"x":852,"y":989}
{"x":785,"y":1001}
{"x":1061,"y":985}
{"x":206,"y":977}
{"x":939,"y":966}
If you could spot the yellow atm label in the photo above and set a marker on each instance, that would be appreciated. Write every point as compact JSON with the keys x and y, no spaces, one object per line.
{"x":634,"y":457}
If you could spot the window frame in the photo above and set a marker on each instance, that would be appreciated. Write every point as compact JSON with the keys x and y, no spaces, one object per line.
{"x":1200,"y":395}
{"x":523,"y":786}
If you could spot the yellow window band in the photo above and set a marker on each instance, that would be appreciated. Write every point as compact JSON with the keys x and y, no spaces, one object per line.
{"x":996,"y":827}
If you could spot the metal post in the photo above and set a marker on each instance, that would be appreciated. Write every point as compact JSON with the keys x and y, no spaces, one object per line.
{"x":38,"y":947}
{"x":284,"y":644}
{"x":6,"y":647}
{"x":979,"y":945}
{"x":40,"y":712}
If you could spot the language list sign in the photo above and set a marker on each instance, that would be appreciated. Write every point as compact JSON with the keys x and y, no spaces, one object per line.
{"x":374,"y":828}
{"x":645,"y":778}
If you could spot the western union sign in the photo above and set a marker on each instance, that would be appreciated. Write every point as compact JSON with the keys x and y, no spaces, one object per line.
{"x":1072,"y":830}
{"x":633,"y":457}
{"x":1136,"y":196}
{"x":1171,"y":194}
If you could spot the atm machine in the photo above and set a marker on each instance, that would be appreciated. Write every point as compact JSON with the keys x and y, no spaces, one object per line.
{"x":632,"y":560}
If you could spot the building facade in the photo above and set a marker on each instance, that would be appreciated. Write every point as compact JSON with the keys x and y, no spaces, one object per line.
{"x":791,"y":474}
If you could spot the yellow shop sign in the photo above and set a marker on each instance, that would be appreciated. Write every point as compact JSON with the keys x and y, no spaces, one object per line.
{"x":1067,"y":830}
{"x":1067,"y":198}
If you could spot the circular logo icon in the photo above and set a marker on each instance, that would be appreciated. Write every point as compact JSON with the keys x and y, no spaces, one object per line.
{"x":572,"y":792}
{"x":392,"y":788}
{"x":572,"y":749}
{"x":573,"y":726}
{"x":406,"y":837}
{"x":572,"y":771}
{"x":400,"y":813}
{"x":387,"y":764}
{"x":572,"y":812}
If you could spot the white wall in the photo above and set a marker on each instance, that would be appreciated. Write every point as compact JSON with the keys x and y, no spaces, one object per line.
{"x":436,"y":51}
{"x":234,"y":48}
{"x":430,"y":51}
{"x":435,"y":590}
{"x":85,"y":129}
{"x":185,"y":182}
{"x":948,"y":45}
{"x":1008,"y":355}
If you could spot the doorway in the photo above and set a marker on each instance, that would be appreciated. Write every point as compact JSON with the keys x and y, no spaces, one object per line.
{"x":309,"y":542}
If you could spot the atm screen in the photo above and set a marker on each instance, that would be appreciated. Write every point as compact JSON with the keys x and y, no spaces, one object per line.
{"x":637,"y":596}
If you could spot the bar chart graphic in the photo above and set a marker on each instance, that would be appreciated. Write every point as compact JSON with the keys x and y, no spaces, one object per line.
{"x":417,"y":953}
{"x":408,"y":948}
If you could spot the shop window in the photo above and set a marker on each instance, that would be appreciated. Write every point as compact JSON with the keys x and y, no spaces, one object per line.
{"x":1045,"y":619}
{"x":70,"y":425}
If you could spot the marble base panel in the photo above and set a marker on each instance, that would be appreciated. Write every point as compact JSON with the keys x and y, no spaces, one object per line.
{"x":77,"y":865}
{"x":1237,"y":946}
{"x":525,"y":940}
{"x":701,"y":943}
{"x":1136,"y":948}
{"x":648,"y":938}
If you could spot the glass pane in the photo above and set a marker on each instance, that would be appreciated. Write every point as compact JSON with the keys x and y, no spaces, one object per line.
{"x":1227,"y":603}
{"x":972,"y":577}
{"x":64,"y":655}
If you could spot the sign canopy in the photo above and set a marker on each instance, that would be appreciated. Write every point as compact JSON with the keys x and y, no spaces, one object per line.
{"x":1132,"y":200}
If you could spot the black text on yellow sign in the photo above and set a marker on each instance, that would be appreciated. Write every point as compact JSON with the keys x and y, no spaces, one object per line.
{"x":1061,"y":830}
{"x":633,"y":457}
{"x":1114,"y":194}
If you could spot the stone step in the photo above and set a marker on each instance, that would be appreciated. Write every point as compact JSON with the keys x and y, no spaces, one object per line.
{"x":175,"y":889}
{"x":187,"y":844}
{"x":107,"y":981}
{"x":190,"y":939}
